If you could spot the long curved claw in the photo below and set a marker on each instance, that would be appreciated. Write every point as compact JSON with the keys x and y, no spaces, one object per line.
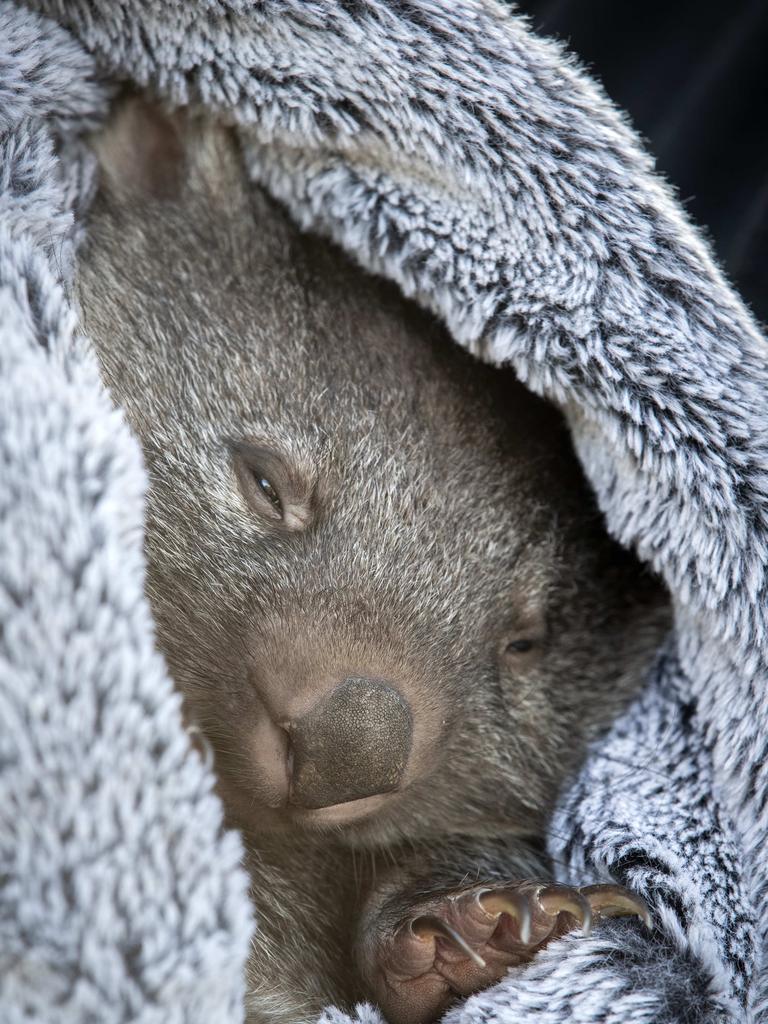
{"x":424,"y":927}
{"x":557,"y":898}
{"x":616,"y":901}
{"x":513,"y":903}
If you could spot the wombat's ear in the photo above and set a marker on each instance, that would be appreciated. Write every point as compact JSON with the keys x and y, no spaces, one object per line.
{"x":141,"y":151}
{"x":144,"y":151}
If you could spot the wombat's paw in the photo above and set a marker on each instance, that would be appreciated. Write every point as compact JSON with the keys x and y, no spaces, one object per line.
{"x":460,"y":942}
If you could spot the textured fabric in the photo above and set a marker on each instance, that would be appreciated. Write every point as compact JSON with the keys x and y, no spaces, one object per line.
{"x":451,"y":150}
{"x":692,"y":76}
{"x":120,"y":898}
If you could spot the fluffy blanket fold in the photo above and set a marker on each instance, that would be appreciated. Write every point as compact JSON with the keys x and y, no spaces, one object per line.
{"x":450,"y":149}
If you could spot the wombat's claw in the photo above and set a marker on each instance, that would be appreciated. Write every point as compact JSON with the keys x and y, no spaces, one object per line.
{"x":551,"y":899}
{"x":616,"y":901}
{"x":511,"y":902}
{"x":423,"y":927}
{"x":464,"y":941}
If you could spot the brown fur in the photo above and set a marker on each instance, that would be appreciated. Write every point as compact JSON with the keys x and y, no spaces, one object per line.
{"x":444,"y":516}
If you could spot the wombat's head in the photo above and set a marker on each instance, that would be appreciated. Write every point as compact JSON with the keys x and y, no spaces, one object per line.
{"x":377,"y":574}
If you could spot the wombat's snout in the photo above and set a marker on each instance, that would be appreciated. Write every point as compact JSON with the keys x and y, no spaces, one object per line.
{"x":353,"y":743}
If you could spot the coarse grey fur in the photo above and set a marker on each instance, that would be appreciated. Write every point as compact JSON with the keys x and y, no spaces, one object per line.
{"x":450,"y":517}
{"x":451,"y":150}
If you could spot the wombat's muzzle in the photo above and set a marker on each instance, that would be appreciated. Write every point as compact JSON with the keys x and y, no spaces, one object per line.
{"x":354,"y":743}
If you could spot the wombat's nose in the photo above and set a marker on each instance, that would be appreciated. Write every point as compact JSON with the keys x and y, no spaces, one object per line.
{"x":354,"y":743}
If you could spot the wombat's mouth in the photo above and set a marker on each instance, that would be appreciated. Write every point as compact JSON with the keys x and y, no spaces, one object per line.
{"x":336,"y":814}
{"x":247,"y":814}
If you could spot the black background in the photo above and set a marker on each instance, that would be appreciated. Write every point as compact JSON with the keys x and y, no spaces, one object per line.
{"x":693,"y":77}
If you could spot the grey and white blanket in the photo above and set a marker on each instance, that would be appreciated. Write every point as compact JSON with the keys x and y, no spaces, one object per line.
{"x":450,"y":149}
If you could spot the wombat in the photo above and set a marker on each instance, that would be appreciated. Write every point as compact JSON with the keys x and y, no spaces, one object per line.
{"x":379,"y":580}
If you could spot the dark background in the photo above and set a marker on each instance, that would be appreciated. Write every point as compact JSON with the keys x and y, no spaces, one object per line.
{"x":694,"y":78}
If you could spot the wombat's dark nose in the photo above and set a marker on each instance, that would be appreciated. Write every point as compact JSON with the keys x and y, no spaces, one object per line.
{"x":354,"y":743}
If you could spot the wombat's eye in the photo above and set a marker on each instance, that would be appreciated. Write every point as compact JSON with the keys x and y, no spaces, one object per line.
{"x":270,"y":492}
{"x":520,"y":646}
{"x":525,"y":639}
{"x":274,"y":488}
{"x":256,"y":469}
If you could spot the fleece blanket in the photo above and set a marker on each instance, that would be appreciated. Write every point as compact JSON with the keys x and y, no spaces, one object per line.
{"x":476,"y":165}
